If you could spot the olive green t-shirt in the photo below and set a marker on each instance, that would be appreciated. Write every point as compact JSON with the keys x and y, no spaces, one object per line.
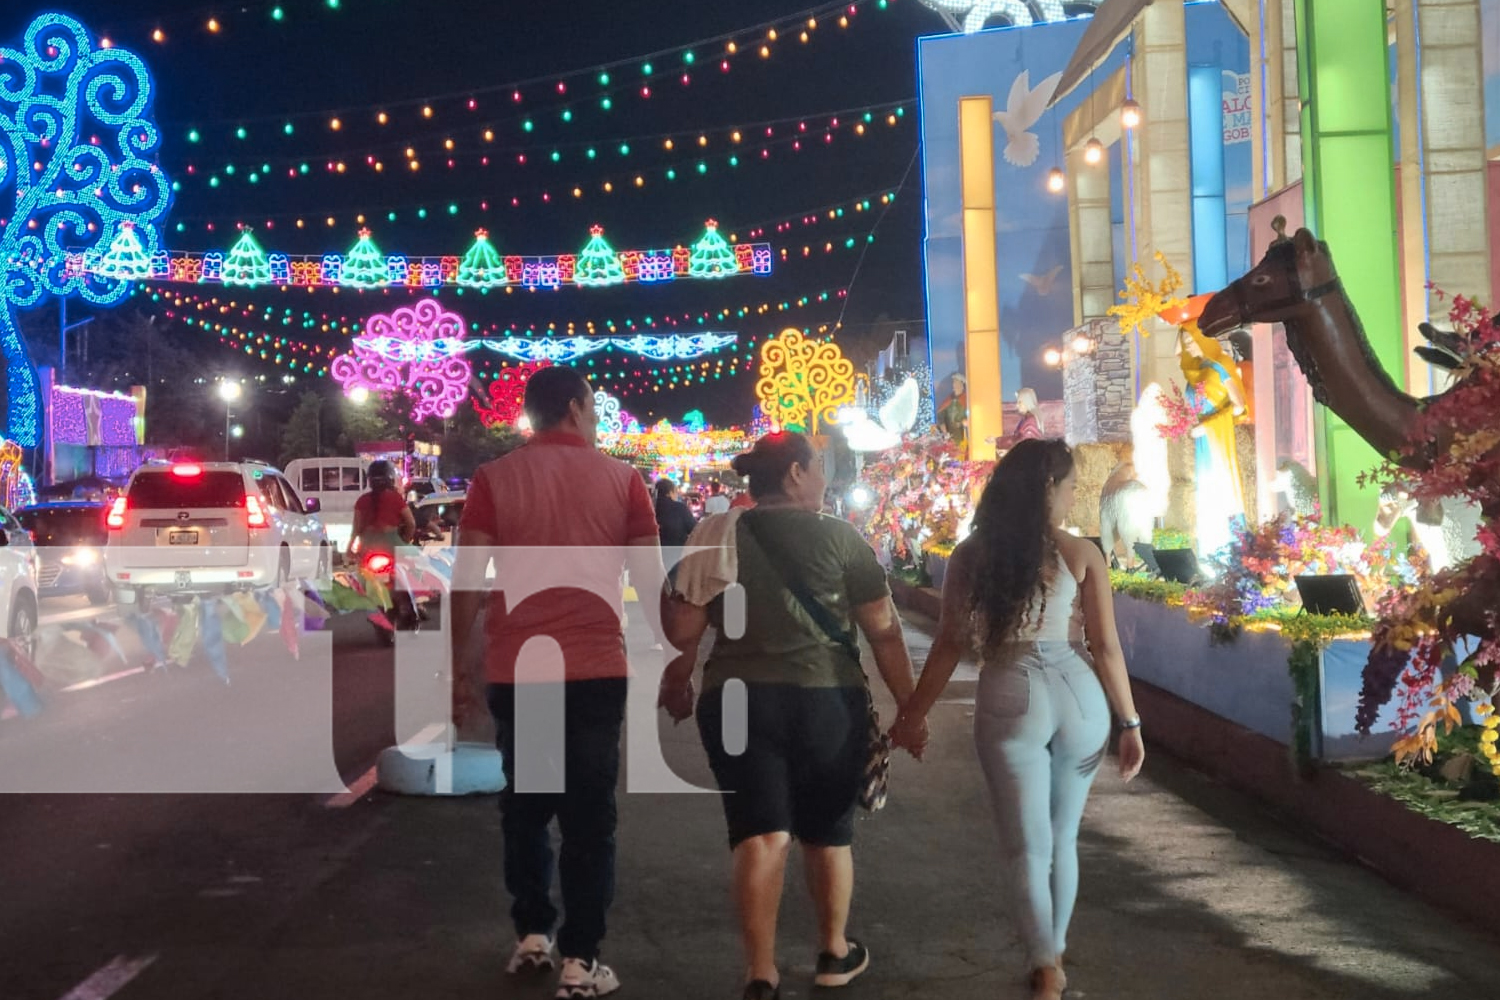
{"x":782,"y":644}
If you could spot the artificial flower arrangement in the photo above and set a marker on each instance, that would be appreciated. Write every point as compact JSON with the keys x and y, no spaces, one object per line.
{"x":1417,"y":631}
{"x":1182,"y":417}
{"x":922,"y":493}
{"x":1260,"y":565}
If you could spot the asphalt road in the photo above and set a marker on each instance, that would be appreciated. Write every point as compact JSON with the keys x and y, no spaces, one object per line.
{"x":1189,"y":890}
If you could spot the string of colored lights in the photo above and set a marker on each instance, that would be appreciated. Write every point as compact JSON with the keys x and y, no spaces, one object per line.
{"x":816,"y":137}
{"x":343,"y":324}
{"x":627,"y":381}
{"x":346,"y":162}
{"x":725,"y":47}
{"x":213,"y":20}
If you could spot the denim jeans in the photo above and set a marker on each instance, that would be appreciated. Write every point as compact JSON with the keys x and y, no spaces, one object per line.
{"x":585,"y":813}
{"x":1041,"y":722}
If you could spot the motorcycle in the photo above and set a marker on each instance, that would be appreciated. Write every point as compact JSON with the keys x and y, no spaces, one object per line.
{"x":402,"y":611}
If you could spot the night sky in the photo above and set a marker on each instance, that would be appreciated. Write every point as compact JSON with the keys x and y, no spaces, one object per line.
{"x":398,"y":56}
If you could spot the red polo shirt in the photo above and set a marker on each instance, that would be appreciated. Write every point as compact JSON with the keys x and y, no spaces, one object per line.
{"x":557,"y":493}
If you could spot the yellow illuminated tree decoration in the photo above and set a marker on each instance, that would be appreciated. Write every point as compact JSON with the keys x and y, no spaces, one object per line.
{"x":1142,"y":300}
{"x":803,"y":381}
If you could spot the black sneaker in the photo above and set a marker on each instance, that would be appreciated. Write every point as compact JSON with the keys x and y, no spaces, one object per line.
{"x":842,"y":971}
{"x":759,"y":989}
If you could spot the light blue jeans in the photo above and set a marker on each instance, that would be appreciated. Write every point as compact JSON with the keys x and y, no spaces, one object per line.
{"x":1041,"y":725}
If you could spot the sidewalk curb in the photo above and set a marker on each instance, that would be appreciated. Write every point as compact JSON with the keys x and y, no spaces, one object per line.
{"x":1429,"y":859}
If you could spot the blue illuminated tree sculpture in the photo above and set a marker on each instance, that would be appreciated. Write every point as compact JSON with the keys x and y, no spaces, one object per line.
{"x":78,"y":148}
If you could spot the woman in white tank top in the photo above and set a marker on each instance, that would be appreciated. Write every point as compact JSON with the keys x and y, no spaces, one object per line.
{"x":1026,"y":594}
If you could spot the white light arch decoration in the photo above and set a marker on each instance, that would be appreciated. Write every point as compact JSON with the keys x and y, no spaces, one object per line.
{"x":611,"y":417}
{"x":970,"y":16}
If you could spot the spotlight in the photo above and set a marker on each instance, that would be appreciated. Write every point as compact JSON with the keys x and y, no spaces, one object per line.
{"x":1052,"y":357}
{"x":1130,"y":113}
{"x":1055,"y":181}
{"x":1093,"y":152}
{"x":1082,"y":344}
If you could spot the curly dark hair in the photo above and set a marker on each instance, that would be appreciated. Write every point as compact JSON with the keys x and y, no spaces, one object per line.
{"x":1015,"y":555}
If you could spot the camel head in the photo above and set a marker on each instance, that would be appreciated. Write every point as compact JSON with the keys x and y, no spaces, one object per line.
{"x":1293,"y":275}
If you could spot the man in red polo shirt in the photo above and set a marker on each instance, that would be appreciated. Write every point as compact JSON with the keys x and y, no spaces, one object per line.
{"x":561,"y":522}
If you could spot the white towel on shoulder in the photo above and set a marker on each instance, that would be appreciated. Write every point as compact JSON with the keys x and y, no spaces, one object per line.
{"x":704,"y":575}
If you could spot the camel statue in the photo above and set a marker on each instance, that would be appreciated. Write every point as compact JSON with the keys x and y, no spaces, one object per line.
{"x":1295,"y":284}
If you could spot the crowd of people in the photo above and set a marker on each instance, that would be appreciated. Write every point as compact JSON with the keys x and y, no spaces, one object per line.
{"x":1033,"y":601}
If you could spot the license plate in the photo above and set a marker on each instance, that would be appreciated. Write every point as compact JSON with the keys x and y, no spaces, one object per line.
{"x":182,"y":538}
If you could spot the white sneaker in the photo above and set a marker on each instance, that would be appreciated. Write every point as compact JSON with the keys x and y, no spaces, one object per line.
{"x":533,"y":954}
{"x":584,"y":980}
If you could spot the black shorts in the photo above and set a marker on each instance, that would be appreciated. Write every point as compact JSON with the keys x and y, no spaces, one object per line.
{"x":802,"y":763}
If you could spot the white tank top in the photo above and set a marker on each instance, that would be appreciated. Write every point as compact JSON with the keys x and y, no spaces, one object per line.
{"x":1060,"y":620}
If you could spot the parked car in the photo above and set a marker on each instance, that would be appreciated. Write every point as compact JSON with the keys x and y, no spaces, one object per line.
{"x":421,"y":487}
{"x":211,"y":527}
{"x":18,"y":581}
{"x":69,"y":536}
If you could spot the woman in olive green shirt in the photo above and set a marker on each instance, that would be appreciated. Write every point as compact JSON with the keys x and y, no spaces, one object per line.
{"x":803,"y":691}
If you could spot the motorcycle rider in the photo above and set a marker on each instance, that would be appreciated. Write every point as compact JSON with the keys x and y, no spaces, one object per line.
{"x":382,"y":519}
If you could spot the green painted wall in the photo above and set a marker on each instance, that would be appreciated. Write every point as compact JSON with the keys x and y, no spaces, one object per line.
{"x":1349,"y":190}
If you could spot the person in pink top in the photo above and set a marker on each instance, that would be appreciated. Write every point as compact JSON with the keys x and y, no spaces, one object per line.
{"x":594,"y":518}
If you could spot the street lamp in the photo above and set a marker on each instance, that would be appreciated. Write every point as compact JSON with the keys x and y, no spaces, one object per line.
{"x":229,"y":392}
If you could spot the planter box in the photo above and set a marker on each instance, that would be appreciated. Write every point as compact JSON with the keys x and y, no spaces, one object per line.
{"x":1247,"y":681}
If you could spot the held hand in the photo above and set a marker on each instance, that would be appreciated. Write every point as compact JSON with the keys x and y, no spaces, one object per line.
{"x":676,"y":696}
{"x":911,"y":734}
{"x":1132,"y":753}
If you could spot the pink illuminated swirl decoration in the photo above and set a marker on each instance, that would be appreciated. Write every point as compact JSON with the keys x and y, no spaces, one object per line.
{"x":435,"y":385}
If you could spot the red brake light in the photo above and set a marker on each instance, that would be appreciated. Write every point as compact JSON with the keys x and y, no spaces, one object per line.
{"x":116,"y":516}
{"x":187,"y":470}
{"x":379,"y":562}
{"x":257,"y":513}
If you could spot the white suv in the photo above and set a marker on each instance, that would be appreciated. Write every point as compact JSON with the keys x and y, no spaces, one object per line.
{"x":211,"y":527}
{"x":18,"y":583}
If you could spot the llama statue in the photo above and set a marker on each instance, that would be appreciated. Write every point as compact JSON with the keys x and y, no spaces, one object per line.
{"x":1445,"y":529}
{"x":1138,"y":491}
{"x":1300,"y":487}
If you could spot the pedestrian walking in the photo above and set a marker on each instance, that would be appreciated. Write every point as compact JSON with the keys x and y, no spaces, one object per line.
{"x":673,"y":517}
{"x":1015,"y":587}
{"x":594,"y":515}
{"x":717,"y":502}
{"x":808,"y":580}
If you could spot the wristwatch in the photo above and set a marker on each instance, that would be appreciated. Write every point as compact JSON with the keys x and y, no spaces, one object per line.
{"x":1134,"y":722}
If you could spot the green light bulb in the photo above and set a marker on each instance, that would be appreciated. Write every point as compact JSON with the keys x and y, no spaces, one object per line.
{"x":646,"y":69}
{"x":527,"y":125}
{"x":229,"y":169}
{"x":567,"y":115}
{"x":604,"y":79}
{"x":453,"y":209}
{"x":277,"y":13}
{"x":421,"y":213}
{"x":556,"y":156}
{"x":592,"y":152}
{"x":702,"y":167}
{"x":213,"y":182}
{"x":303,"y":168}
{"x":688,"y":58}
{"x":193,"y":135}
{"x":606,"y":104}
{"x":240,"y":132}
{"x":287,"y":128}
{"x":671,"y":174}
{"x":624,"y":149}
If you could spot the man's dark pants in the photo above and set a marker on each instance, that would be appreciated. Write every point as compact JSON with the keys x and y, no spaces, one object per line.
{"x":585,"y":813}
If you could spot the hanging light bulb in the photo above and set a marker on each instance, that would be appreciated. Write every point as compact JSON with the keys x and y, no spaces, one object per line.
{"x":1093,"y":152}
{"x":1055,"y":181}
{"x":1130,"y":113}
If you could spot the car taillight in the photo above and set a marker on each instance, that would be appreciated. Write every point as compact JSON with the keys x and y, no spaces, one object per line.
{"x":187,"y":470}
{"x":116,"y":517}
{"x":379,"y":562}
{"x":257,"y":513}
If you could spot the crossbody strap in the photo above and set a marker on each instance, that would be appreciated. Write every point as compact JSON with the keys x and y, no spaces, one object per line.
{"x":815,"y":608}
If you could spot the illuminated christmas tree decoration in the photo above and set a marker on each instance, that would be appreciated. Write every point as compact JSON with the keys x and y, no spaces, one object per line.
{"x":364,"y":265}
{"x":597,"y":263}
{"x":712,"y":257}
{"x":803,"y":381}
{"x":435,"y":386}
{"x":481,"y":266}
{"x":125,"y":260}
{"x":248,"y":264}
{"x":91,"y":142}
